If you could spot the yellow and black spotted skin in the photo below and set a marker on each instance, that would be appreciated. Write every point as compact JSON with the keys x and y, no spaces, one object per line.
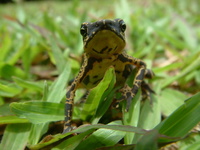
{"x":104,"y":43}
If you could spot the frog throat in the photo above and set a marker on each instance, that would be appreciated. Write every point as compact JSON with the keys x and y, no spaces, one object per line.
{"x":105,"y":43}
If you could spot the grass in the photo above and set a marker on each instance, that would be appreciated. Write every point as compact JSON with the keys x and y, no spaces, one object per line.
{"x":41,"y":50}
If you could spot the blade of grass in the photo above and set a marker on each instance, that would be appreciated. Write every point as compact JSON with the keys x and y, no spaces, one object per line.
{"x":132,"y":116}
{"x":72,"y":143}
{"x":148,"y":141}
{"x":9,"y":90}
{"x":150,"y":116}
{"x":38,"y":112}
{"x":193,"y":66}
{"x":12,"y":120}
{"x":36,"y":132}
{"x":106,"y":100}
{"x":93,"y":100}
{"x":27,"y":84}
{"x":181,"y":121}
{"x":170,"y":100}
{"x":57,"y":89}
{"x":102,"y":137}
{"x":7,"y":71}
{"x":6,"y":46}
{"x":15,"y":136}
{"x":86,"y":128}
{"x":192,"y":142}
{"x":103,"y":106}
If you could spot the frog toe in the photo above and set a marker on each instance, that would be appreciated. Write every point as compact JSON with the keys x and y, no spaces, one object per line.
{"x":146,"y":92}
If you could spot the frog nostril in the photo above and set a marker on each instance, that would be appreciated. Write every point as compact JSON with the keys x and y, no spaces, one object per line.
{"x":83,"y":31}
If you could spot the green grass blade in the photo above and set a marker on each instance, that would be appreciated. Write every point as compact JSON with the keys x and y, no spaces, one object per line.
{"x":12,"y":119}
{"x":124,"y":128}
{"x":37,"y":130}
{"x":13,"y":58}
{"x":191,"y":142}
{"x":29,"y":85}
{"x":102,"y":137}
{"x":86,"y":128}
{"x":189,"y":34}
{"x":170,"y":100}
{"x":7,"y":71}
{"x":15,"y":137}
{"x":95,"y":95}
{"x":57,"y":89}
{"x":45,"y":92}
{"x":39,"y":112}
{"x":72,"y":143}
{"x":57,"y":54}
{"x":5,"y":47}
{"x":193,"y":66}
{"x":9,"y":90}
{"x":150,"y":116}
{"x":103,"y":106}
{"x":181,"y":121}
{"x":148,"y":141}
{"x":106,"y":100}
{"x":132,"y":116}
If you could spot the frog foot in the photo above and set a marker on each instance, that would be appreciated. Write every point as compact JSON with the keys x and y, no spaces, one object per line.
{"x":127,"y":94}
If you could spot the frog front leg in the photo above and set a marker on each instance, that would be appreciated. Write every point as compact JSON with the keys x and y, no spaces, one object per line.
{"x":68,"y":107}
{"x":70,"y":96}
{"x":127,"y":92}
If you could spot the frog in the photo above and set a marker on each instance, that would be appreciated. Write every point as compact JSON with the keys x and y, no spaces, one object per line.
{"x":104,"y":47}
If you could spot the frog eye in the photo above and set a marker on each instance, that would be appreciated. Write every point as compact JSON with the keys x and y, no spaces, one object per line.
{"x":83,"y":30}
{"x":123,"y":26}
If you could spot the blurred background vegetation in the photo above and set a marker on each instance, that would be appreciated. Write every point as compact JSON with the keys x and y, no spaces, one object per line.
{"x":39,"y":40}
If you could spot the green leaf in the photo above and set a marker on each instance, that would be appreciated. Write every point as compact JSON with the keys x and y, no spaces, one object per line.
{"x":167,"y":67}
{"x":149,"y":117}
{"x":9,"y":90}
{"x":86,"y":128}
{"x":168,"y":35}
{"x":29,"y":85}
{"x":192,"y":66}
{"x":15,"y":136}
{"x":12,"y":119}
{"x":148,"y":141}
{"x":45,"y":92}
{"x":105,"y":100}
{"x":182,"y":120}
{"x":93,"y":100}
{"x":39,"y":112}
{"x":37,"y":131}
{"x":170,"y":100}
{"x":102,"y":137}
{"x":57,"y":54}
{"x":103,"y":106}
{"x":23,"y":46}
{"x":57,"y":89}
{"x":132,"y":116}
{"x":189,"y":34}
{"x":124,"y":128}
{"x":5,"y":109}
{"x":118,"y":147}
{"x":191,"y":142}
{"x":150,"y":114}
{"x":6,"y":46}
{"x":7,"y":71}
{"x":72,"y":143}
